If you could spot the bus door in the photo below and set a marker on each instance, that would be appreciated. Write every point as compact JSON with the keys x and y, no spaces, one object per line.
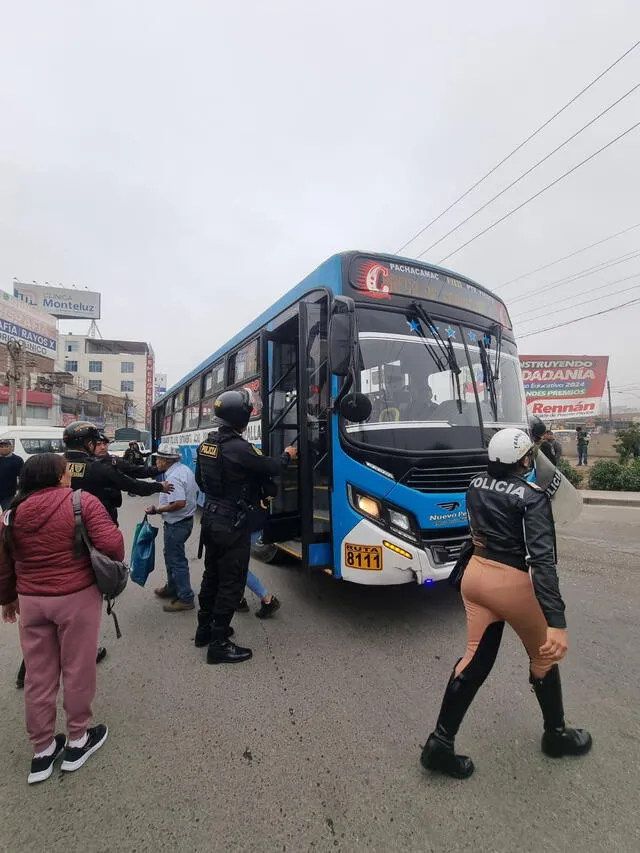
{"x":295,"y":411}
{"x":281,"y":428}
{"x":314,"y":446}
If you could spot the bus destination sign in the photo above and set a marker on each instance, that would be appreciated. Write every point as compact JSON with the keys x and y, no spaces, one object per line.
{"x":382,"y":279}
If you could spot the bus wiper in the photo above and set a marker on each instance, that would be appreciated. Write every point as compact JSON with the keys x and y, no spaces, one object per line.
{"x":498,"y":332}
{"x":488,"y":376}
{"x":446,"y":351}
{"x":417,"y":326}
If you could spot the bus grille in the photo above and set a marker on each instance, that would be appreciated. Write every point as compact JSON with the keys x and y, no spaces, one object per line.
{"x":452,"y":478}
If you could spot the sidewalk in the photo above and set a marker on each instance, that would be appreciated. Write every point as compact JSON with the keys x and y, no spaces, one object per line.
{"x":610,"y":498}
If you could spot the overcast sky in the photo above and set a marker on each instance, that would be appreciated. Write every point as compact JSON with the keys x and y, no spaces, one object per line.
{"x":193,"y":161}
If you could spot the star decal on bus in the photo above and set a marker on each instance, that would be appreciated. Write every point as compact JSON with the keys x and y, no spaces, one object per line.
{"x":473,"y":337}
{"x":451,"y":333}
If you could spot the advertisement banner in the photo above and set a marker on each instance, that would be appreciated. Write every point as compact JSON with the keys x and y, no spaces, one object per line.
{"x":35,"y":329}
{"x":59,"y":301}
{"x":149,"y":390}
{"x":557,"y":386}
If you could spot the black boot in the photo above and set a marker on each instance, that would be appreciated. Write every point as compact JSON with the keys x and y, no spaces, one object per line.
{"x":20,"y":676}
{"x":558,"y":740}
{"x":203,"y":631}
{"x":439,"y":753}
{"x":222,"y":650}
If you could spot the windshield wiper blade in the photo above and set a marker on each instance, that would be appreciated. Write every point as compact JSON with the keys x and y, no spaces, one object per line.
{"x":446,"y":351}
{"x":488,"y":376}
{"x":498,"y":333}
{"x":419,"y":330}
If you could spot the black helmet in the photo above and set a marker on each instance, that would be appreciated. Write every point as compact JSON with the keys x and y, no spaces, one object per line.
{"x":233,"y":408}
{"x":79,"y":432}
{"x":537,"y":428}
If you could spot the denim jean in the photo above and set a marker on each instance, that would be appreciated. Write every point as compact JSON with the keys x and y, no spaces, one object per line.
{"x":175,"y":558}
{"x":254,"y":583}
{"x":582,"y":456}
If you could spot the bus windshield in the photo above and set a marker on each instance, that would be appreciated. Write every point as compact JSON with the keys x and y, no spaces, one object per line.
{"x":419,"y":403}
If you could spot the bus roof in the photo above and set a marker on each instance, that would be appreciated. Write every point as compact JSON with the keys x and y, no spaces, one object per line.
{"x":318,"y":278}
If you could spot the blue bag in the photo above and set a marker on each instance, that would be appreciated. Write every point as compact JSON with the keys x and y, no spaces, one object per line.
{"x":143,"y":551}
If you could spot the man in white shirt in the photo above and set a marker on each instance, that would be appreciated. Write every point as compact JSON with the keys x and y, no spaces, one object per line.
{"x":177,"y":510}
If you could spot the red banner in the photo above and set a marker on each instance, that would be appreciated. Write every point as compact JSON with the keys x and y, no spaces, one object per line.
{"x":149,"y":390}
{"x":561,"y":385}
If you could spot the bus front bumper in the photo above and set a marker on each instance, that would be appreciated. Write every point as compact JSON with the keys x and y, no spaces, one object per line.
{"x":376,"y":557}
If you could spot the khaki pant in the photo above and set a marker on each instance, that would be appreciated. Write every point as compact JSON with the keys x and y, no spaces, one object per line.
{"x":496,"y":593}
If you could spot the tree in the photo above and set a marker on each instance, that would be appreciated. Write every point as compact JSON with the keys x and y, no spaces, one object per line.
{"x":628,"y":443}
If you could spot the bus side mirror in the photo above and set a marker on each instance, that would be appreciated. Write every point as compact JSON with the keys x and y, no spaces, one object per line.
{"x":355,"y":407}
{"x":342,"y":335}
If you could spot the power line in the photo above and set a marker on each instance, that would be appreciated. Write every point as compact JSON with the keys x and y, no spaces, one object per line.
{"x":569,"y":279}
{"x":573,"y":296}
{"x":566,"y":257}
{"x":528,"y":172}
{"x":578,"y":319}
{"x":540,"y":192}
{"x":585,"y":302}
{"x":521,"y":145}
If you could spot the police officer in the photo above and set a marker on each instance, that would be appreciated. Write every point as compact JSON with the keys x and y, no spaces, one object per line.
{"x":234,"y":477}
{"x":104,"y":481}
{"x":511,"y":578}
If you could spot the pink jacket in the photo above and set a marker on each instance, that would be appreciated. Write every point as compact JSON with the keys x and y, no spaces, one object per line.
{"x":43,"y":531}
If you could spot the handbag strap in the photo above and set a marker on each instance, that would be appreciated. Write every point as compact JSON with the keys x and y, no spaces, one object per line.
{"x":81,"y":535}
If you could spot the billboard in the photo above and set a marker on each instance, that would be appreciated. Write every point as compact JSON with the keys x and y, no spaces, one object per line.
{"x":559,"y":386}
{"x":58,"y":301}
{"x":148,"y":397}
{"x":34,"y":329}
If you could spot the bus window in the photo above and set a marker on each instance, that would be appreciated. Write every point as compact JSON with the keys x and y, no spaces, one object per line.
{"x":243,"y":363}
{"x":317,"y":413}
{"x":191,"y":417}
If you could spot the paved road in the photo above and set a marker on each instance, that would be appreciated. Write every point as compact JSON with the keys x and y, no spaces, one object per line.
{"x":314,"y":745}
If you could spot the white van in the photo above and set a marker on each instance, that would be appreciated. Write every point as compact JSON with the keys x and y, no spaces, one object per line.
{"x":28,"y":441}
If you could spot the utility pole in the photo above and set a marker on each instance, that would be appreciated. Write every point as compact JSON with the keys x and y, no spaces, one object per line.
{"x":14,"y":349}
{"x":23,"y":402}
{"x":126,"y":410}
{"x":610,"y":409}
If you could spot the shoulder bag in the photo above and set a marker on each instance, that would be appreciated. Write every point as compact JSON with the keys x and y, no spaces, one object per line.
{"x":111,"y":575}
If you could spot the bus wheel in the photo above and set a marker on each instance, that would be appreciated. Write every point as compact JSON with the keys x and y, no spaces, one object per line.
{"x":267,"y":553}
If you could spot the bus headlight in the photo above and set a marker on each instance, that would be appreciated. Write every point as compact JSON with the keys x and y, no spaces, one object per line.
{"x":367,"y":505}
{"x":385,"y":515}
{"x":399,"y":520}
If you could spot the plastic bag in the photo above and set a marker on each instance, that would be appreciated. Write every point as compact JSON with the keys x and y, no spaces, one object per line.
{"x":143,"y":551}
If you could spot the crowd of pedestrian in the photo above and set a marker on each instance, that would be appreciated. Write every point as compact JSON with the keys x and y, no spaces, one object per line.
{"x":507,"y":573}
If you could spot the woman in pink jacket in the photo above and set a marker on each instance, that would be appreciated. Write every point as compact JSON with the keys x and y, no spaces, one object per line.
{"x":59,"y":604}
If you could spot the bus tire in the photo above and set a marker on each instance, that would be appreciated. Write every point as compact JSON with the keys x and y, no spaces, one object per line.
{"x":265,"y":552}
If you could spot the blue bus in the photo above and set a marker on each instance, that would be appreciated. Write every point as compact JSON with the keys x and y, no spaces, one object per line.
{"x":391,"y":376}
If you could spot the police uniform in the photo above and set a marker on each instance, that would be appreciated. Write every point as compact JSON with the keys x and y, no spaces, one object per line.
{"x":234,"y":477}
{"x":511,"y":578}
{"x":104,"y":481}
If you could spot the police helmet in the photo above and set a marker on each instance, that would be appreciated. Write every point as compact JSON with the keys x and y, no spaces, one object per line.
{"x":79,"y":433}
{"x":233,"y":408}
{"x":509,"y":446}
{"x":537,"y":428}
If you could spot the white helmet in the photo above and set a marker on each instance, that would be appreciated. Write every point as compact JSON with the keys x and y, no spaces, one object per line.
{"x":509,"y":446}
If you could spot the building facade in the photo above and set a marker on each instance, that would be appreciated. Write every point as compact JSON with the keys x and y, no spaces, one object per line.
{"x":113,"y":371}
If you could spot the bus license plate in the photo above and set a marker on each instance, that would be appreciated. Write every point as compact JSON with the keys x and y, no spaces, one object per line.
{"x":363,"y":556}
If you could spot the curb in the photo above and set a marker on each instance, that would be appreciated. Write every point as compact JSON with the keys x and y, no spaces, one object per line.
{"x":602,"y":501}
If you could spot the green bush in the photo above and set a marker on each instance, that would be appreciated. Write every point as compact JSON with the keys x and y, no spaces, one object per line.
{"x":630,"y":479}
{"x":628,"y":443}
{"x":566,"y":468}
{"x":606,"y":475}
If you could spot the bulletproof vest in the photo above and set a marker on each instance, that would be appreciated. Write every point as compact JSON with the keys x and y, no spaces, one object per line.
{"x":78,"y":465}
{"x":211,"y":460}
